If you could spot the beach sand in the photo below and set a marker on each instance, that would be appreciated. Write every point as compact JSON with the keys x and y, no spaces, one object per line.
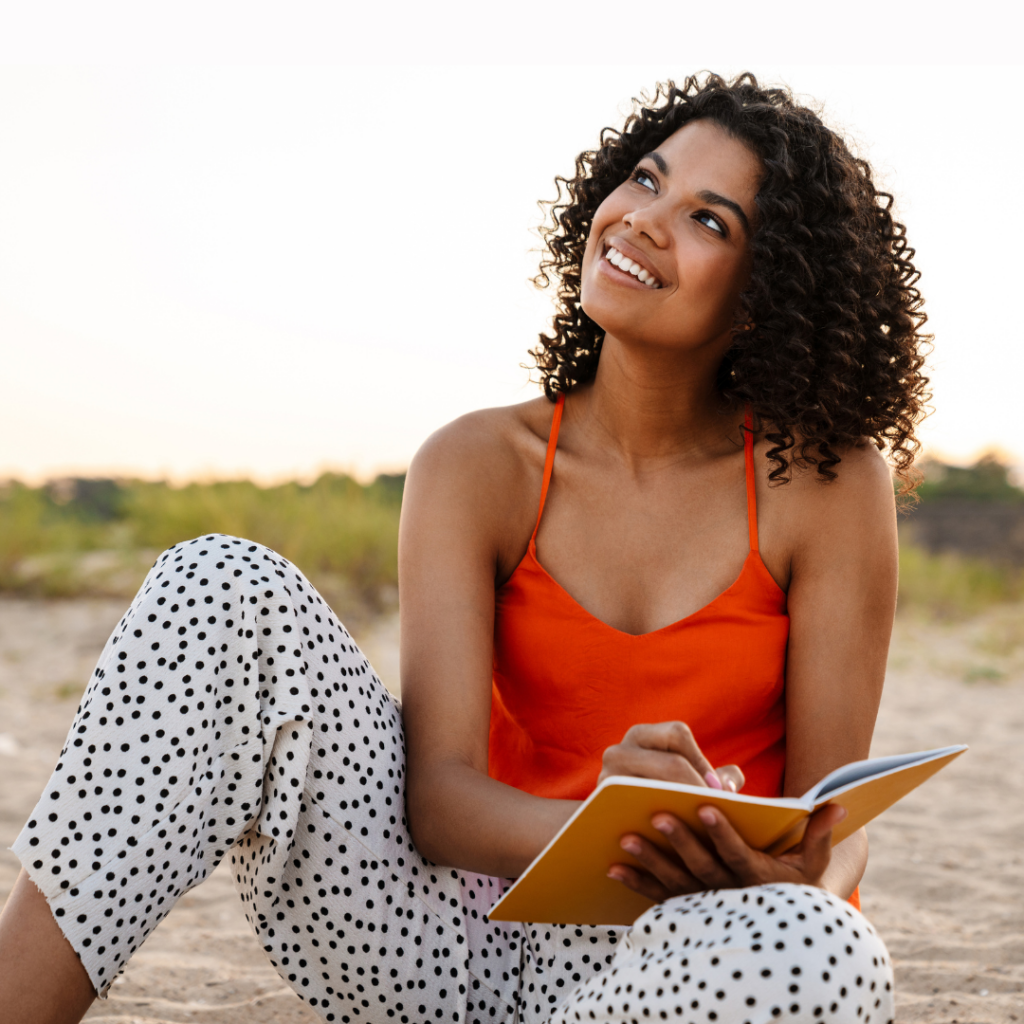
{"x":945,"y":885}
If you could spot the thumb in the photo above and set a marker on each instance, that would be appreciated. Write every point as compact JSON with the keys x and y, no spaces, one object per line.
{"x":817,"y":841}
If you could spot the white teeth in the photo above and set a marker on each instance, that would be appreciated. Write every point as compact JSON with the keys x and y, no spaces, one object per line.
{"x":616,"y":258}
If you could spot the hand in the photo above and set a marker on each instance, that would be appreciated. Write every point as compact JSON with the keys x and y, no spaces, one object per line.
{"x":691,"y":867}
{"x":667,"y":751}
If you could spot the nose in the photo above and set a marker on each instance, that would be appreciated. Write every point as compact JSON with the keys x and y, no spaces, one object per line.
{"x":649,"y":219}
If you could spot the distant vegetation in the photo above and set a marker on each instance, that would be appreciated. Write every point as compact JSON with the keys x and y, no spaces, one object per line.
{"x":960,"y":546}
{"x":80,"y":537}
{"x":987,"y":480}
{"x":949,"y":585}
{"x":96,"y":536}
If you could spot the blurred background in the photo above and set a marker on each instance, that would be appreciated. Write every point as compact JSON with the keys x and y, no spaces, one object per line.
{"x":239,"y":298}
{"x":251,"y":255}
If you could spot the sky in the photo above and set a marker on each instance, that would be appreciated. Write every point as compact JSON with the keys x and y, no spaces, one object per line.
{"x":215,"y":270}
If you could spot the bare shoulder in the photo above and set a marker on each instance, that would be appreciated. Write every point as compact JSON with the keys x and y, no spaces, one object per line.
{"x":862,"y":480}
{"x":484,"y":446}
{"x":829,"y":520}
{"x":480,"y":476}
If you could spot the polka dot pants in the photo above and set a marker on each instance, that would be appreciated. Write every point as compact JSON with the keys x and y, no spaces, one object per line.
{"x":743,"y":955}
{"x":231,"y":714}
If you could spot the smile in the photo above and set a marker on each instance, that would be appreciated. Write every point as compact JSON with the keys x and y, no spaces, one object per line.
{"x":627,"y":265}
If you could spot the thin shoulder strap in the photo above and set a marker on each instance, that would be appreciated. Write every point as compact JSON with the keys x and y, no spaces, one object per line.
{"x":549,"y":461}
{"x":748,"y":452}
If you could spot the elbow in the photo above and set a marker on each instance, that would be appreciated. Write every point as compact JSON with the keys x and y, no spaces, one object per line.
{"x":423,"y":839}
{"x":423,"y":818}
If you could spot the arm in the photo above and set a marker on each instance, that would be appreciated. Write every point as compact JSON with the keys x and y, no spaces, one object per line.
{"x":842,"y":599}
{"x":466,"y":518}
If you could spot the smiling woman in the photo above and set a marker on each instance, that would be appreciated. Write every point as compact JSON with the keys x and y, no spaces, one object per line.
{"x":831,"y":347}
{"x":679,"y":563}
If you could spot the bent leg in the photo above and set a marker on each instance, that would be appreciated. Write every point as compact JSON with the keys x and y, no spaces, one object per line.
{"x":230,"y":710}
{"x":164,"y":764}
{"x":744,"y":956}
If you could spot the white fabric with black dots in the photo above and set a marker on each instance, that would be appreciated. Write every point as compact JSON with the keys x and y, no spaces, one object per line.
{"x":743,"y":955}
{"x":230,"y":712}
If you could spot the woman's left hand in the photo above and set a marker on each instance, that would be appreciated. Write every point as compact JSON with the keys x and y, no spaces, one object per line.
{"x":691,"y":867}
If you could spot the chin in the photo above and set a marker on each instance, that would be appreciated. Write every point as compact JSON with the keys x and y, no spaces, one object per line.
{"x":615,"y":317}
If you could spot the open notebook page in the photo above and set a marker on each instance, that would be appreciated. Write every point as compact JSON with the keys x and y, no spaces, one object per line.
{"x":874,"y":766}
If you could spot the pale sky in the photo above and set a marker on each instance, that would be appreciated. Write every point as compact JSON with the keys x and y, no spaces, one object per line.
{"x":217,"y":271}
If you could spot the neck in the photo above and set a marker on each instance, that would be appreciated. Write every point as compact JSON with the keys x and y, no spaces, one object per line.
{"x":649,"y":405}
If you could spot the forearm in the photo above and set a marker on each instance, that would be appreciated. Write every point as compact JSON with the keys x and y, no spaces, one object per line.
{"x":846,"y":868}
{"x":461,"y":818}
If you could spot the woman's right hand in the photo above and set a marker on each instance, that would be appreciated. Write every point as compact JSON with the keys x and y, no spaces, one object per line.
{"x":668,"y":752}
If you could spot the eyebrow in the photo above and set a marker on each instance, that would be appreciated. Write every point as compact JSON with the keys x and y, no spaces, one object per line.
{"x":705,"y":195}
{"x":714,"y":199}
{"x":658,"y":160}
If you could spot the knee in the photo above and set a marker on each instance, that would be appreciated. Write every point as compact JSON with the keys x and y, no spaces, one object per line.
{"x":745,"y":954}
{"x":816,"y":916}
{"x":786,"y":921}
{"x":213,"y":560}
{"x":204,"y":586}
{"x":185,"y":628}
{"x":217,"y":569}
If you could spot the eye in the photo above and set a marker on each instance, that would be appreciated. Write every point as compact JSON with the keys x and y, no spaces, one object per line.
{"x":641,"y":177}
{"x":711,"y":221}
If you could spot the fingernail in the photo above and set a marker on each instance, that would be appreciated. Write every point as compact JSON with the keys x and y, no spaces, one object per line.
{"x":630,"y":846}
{"x":663,"y":826}
{"x":713,"y":780}
{"x":617,"y":874}
{"x":730,"y":785}
{"x":708,"y":816}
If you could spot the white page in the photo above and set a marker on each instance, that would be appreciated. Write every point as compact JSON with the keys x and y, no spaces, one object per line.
{"x":859,"y":770}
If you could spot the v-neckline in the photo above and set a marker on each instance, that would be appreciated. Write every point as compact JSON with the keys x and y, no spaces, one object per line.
{"x":750,"y":563}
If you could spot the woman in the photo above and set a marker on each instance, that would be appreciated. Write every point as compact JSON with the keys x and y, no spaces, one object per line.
{"x":684,"y":568}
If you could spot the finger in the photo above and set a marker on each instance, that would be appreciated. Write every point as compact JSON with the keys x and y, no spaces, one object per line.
{"x":700,"y":862}
{"x":662,"y":865}
{"x":816,"y":845}
{"x":639,"y":881}
{"x":731,"y":776}
{"x":744,"y":862}
{"x":649,"y":764}
{"x":671,"y":736}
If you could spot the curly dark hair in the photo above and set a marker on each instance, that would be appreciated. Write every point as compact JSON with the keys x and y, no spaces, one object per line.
{"x":836,"y":350}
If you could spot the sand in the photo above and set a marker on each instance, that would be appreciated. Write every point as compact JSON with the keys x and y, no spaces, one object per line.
{"x":945,"y":885}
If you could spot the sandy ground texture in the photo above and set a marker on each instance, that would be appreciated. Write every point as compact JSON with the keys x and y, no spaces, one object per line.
{"x":945,"y":885}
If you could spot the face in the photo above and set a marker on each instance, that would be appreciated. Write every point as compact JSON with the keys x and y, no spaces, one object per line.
{"x":669,"y":250}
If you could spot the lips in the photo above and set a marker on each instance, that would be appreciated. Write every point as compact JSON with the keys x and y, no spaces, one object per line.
{"x":630,"y":266}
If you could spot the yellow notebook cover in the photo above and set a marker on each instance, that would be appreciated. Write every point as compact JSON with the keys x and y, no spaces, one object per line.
{"x":567,"y":883}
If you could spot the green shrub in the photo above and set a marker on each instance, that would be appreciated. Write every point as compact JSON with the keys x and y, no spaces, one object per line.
{"x":988,"y":479}
{"x":952,"y":586}
{"x":339,"y":532}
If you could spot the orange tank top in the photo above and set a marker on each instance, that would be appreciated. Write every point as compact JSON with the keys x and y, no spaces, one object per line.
{"x":567,"y":685}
